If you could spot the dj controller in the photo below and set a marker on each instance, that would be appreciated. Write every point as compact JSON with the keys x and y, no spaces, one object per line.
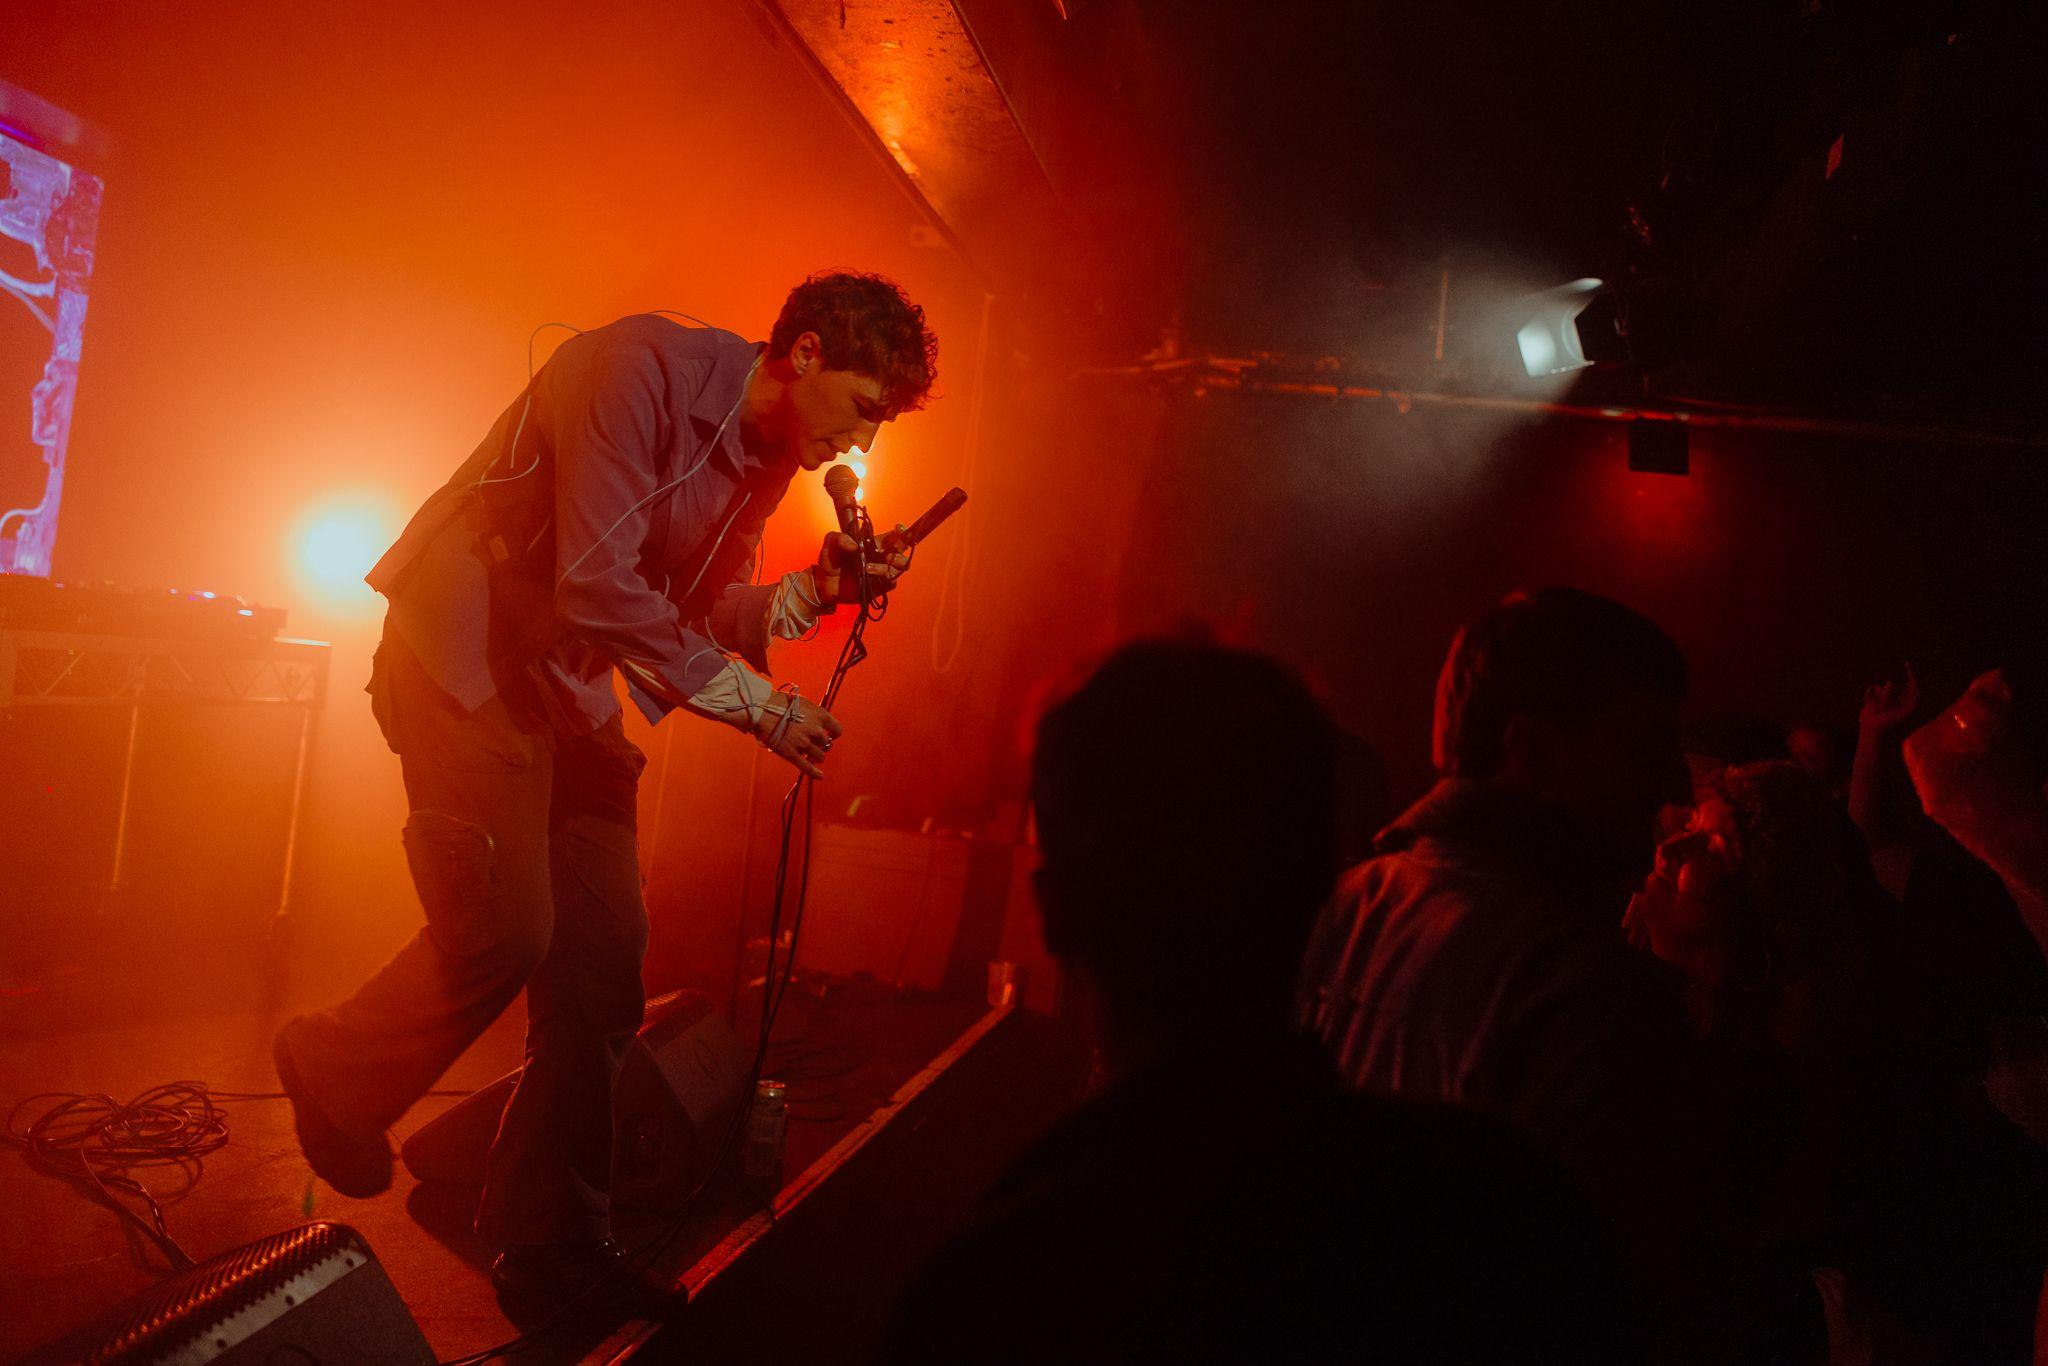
{"x":31,"y":603}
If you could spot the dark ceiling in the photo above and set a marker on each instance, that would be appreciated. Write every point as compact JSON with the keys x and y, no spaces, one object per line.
{"x":1805,"y":202}
{"x":1835,"y":206}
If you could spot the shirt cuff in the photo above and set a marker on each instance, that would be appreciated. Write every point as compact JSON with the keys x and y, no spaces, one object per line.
{"x":735,"y":695}
{"x":794,"y":608}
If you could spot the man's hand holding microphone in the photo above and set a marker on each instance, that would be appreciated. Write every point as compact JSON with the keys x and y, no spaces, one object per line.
{"x":836,"y":578}
{"x":799,"y":731}
{"x":837,"y":574}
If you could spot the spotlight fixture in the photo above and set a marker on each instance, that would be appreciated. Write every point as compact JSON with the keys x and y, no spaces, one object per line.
{"x":1553,"y":340}
{"x":1659,"y":446}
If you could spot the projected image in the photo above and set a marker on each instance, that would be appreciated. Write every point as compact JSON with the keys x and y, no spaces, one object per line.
{"x":48,"y":214}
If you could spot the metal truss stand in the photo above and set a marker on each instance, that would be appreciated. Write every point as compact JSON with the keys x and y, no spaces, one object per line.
{"x":65,"y":669}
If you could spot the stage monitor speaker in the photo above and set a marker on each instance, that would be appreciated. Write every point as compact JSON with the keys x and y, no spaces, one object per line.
{"x":675,"y":1099}
{"x":315,"y":1293}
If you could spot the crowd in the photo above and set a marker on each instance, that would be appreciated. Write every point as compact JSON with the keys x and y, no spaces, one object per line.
{"x":1632,"y":1040}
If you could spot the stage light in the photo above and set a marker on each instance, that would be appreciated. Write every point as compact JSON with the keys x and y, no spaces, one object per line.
{"x":334,"y":543}
{"x":1549,"y":339}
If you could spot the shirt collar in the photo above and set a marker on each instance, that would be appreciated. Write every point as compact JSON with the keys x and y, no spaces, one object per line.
{"x":1535,"y":836}
{"x":718,"y":402}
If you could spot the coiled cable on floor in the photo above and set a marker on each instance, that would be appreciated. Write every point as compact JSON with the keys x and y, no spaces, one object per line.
{"x":101,"y":1144}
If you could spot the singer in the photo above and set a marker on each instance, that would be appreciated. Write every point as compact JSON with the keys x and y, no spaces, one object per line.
{"x":608,"y":521}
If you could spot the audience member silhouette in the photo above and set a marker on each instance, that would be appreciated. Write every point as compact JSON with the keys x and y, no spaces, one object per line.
{"x":1222,"y":1198}
{"x":1767,"y":903}
{"x":1478,"y":959}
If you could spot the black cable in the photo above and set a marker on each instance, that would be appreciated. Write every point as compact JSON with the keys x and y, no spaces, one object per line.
{"x":96,"y":1142}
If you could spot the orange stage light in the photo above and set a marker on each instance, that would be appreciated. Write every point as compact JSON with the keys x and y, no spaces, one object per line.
{"x":334,"y":543}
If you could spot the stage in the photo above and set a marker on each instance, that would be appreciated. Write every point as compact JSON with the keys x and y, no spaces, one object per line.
{"x":857,"y":1057}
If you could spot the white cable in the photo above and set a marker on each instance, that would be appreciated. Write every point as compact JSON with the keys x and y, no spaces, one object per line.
{"x":708,"y":447}
{"x":737,"y":509}
{"x":678,"y":313}
{"x":524,"y":409}
{"x":732,"y":663}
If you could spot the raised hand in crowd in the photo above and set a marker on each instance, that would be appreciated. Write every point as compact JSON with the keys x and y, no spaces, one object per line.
{"x":1888,"y":704}
{"x":1876,"y":789}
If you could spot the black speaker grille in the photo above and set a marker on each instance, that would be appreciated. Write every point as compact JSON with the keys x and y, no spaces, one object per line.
{"x":188,"y":1306}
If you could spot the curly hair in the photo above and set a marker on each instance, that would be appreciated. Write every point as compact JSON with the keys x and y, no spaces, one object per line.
{"x":867,"y":325}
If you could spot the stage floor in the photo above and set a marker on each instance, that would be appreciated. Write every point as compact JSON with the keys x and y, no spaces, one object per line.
{"x":64,"y":1258}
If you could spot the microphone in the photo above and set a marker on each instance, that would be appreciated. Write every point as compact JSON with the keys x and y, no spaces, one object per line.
{"x":841,"y":484}
{"x":951,"y":503}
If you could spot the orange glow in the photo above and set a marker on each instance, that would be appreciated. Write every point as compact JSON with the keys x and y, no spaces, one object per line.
{"x":310,"y":319}
{"x":334,"y":543}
